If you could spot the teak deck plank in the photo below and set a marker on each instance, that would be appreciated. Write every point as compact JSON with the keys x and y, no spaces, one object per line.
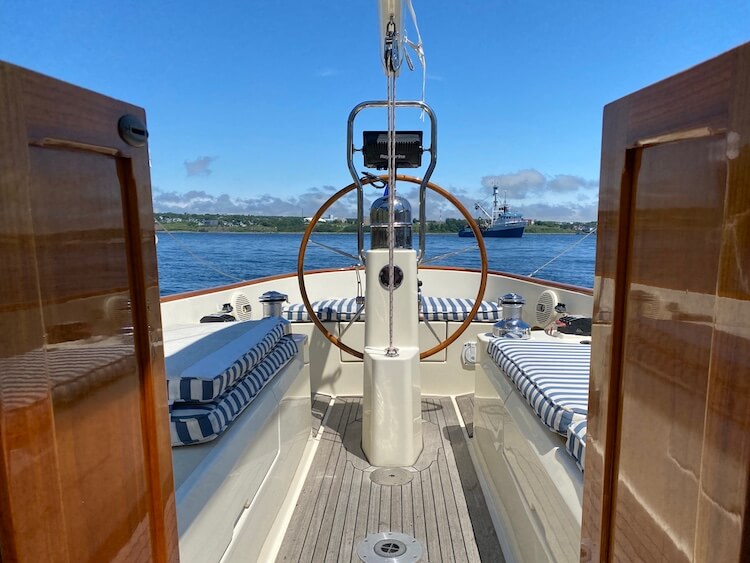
{"x":442,"y":507}
{"x":329,"y":510}
{"x":302,"y":517}
{"x":480,"y":525}
{"x":347,"y":537}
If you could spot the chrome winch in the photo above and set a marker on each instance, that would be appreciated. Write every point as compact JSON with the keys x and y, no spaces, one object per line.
{"x":512,"y":325}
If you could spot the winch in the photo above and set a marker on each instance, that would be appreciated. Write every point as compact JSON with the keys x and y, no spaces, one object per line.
{"x":512,"y":325}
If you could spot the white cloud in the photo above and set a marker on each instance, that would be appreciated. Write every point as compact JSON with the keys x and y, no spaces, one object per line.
{"x":557,"y":198}
{"x":559,"y":211}
{"x":518,"y":184}
{"x":266,"y":204}
{"x":532,"y":183}
{"x":199,"y":166}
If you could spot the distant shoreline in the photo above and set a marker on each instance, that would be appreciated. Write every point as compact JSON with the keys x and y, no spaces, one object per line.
{"x":255,"y":224}
{"x":219,"y":232}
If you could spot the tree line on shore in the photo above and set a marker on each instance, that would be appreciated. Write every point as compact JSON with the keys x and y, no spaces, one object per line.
{"x":197,"y":222}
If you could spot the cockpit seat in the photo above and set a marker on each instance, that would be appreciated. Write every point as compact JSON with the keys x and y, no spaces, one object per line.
{"x":215,"y":370}
{"x":432,"y":309}
{"x":553,"y":377}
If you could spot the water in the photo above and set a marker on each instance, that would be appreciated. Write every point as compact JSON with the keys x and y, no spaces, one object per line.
{"x":191,"y":261}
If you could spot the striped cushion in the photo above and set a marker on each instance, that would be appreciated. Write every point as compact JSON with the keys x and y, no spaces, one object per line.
{"x":204,"y":360}
{"x":552,"y":376}
{"x":344,"y":309}
{"x":71,"y":369}
{"x":192,"y":423}
{"x":576,"y":442}
{"x":433,"y":309}
{"x":457,"y":309}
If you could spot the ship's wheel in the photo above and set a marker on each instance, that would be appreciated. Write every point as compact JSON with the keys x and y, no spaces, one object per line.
{"x":403,"y":178}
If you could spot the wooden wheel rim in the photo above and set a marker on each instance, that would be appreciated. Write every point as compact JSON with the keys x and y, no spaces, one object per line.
{"x":342,"y":192}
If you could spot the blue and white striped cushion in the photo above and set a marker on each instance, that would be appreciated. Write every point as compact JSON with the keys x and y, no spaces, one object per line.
{"x":457,"y":309}
{"x":344,"y":309}
{"x":553,"y":377}
{"x":203,"y":361}
{"x":576,"y":442}
{"x":193,"y":423}
{"x":433,"y":309}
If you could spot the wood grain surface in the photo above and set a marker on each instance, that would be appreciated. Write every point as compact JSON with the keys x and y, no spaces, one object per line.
{"x":86,"y":464}
{"x":668,"y":451}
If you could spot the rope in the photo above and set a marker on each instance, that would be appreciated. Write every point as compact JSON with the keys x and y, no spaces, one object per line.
{"x":195,"y":256}
{"x":579,"y":241}
{"x":419,"y":50}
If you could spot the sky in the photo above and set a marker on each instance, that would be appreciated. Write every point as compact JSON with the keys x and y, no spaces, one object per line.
{"x":247,"y":101}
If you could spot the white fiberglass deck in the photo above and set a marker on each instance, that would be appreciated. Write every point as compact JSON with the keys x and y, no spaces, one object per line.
{"x":442,"y":506}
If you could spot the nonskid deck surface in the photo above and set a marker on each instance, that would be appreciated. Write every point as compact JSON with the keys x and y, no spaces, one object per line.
{"x":442,"y":506}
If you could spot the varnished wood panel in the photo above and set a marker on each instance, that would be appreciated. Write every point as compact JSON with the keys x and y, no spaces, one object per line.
{"x":724,"y":498}
{"x":614,"y":205}
{"x":676,"y":238}
{"x":668,"y":452}
{"x":86,"y":468}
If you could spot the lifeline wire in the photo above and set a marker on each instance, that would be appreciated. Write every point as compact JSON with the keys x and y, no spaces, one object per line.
{"x":196,"y":257}
{"x":579,"y":241}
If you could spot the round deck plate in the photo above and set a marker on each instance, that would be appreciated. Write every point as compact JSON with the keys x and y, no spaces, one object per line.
{"x":389,"y":547}
{"x":391,"y":476}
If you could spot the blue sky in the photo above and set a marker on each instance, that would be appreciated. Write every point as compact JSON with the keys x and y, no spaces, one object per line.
{"x":247,"y":101}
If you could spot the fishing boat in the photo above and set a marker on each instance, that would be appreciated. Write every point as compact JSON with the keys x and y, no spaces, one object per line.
{"x":500,"y":223}
{"x":390,"y":411}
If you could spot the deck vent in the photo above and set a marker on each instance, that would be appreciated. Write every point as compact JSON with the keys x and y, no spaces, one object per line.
{"x":545,"y":307}
{"x":242,"y":308}
{"x":391,"y":476}
{"x":389,"y":547}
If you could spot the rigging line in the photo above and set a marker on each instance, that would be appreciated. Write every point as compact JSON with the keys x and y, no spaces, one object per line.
{"x":195,"y":256}
{"x":419,"y":50}
{"x":579,"y":241}
{"x":449,"y":254}
{"x":391,"y":350}
{"x":337,"y":251}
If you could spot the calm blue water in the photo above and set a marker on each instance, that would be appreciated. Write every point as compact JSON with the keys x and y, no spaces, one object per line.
{"x":190,"y":261}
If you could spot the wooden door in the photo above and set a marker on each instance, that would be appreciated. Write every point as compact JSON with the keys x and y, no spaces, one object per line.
{"x":668,"y":452}
{"x":86,"y":469}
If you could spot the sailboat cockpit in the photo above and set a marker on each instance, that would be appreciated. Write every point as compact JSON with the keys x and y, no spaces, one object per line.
{"x":391,"y":411}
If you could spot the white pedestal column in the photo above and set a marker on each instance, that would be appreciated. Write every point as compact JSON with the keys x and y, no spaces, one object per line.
{"x":391,"y":416}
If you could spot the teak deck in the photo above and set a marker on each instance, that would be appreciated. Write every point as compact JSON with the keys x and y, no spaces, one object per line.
{"x":442,"y":507}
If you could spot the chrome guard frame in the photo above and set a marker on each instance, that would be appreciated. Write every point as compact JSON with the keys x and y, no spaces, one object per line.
{"x":358,"y":182}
